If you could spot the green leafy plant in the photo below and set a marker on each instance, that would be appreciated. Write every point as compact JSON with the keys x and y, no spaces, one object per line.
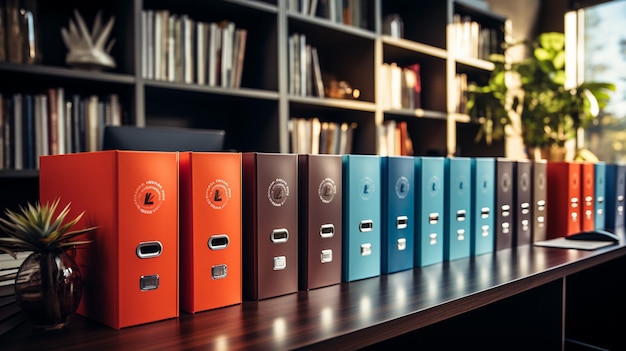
{"x":551,"y":113}
{"x":35,"y":228}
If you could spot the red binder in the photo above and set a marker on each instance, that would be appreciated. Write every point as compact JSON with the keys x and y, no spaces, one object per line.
{"x":564,"y":191}
{"x":587,"y":196}
{"x":210,"y":230}
{"x":131,"y":269}
{"x":270,"y":224}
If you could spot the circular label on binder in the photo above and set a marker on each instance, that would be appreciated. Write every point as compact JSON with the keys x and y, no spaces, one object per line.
{"x":402,"y":187}
{"x":484,"y":183}
{"x":149,"y":197}
{"x":460,"y":185}
{"x":278,"y":192}
{"x":327,"y":190}
{"x":433,"y":187}
{"x":367,"y":188}
{"x":218,"y":193}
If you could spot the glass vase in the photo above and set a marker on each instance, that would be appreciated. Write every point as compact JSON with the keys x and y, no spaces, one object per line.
{"x":48,"y":288}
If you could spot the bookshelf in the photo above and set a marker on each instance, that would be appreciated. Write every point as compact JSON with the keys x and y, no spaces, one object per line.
{"x":256,"y":114}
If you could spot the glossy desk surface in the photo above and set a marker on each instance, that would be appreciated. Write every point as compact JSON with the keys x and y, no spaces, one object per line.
{"x":347,"y":315}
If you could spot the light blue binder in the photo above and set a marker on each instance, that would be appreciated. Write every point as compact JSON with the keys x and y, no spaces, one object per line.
{"x":429,"y":210}
{"x":398,"y":213}
{"x":483,"y":202}
{"x":457,"y":212}
{"x":600,"y":194}
{"x":361,"y":217}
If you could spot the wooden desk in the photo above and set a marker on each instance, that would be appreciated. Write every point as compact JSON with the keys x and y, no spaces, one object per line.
{"x":518,"y":297}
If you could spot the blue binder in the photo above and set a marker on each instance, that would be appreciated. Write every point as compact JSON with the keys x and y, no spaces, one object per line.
{"x":361,"y":217}
{"x":398,"y":213}
{"x":483,"y":202}
{"x":458,"y":202}
{"x":600,"y":195}
{"x":429,"y":210}
{"x":615,"y":179}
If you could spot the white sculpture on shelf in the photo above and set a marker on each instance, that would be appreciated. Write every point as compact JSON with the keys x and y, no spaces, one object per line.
{"x":89,"y":50}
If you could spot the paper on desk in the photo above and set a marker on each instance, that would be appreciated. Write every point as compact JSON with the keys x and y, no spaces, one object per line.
{"x":564,"y":243}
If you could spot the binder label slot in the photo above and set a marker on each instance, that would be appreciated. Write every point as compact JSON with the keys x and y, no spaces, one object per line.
{"x":327,"y":230}
{"x":402,"y":222}
{"x":433,"y":218}
{"x":219,"y":272}
{"x":149,"y":249}
{"x":280,"y":235}
{"x":218,"y":242}
{"x":460,"y":234}
{"x":327,"y":256}
{"x":432,"y":238}
{"x":149,"y":282}
{"x":484,"y":212}
{"x":460,"y":215}
{"x":366,"y":225}
{"x":484,"y":230}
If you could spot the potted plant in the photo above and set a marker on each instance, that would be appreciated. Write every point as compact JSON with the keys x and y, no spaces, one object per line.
{"x":48,"y":284}
{"x":551,"y":113}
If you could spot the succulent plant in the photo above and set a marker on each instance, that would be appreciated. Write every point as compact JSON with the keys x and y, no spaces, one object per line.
{"x":35,"y":228}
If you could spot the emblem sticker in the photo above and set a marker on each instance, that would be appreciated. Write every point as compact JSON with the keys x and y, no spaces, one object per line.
{"x":327,"y":190}
{"x":149,"y":197}
{"x":402,"y":187}
{"x":367,"y":188}
{"x":218,"y":193}
{"x":278,"y":192}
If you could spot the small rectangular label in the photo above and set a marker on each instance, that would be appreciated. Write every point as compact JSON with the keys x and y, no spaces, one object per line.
{"x":432,"y":238}
{"x":401,"y":244}
{"x":219,"y":272}
{"x":280,"y":263}
{"x":484,"y":212}
{"x":366,"y":249}
{"x":149,"y":282}
{"x":460,"y":215}
{"x":327,"y":256}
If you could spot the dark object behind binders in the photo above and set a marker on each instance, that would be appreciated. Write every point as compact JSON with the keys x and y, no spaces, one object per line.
{"x":162,"y":139}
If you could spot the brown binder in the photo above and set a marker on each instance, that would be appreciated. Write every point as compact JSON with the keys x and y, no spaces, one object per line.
{"x":320,"y":220}
{"x":504,"y":204}
{"x":523,"y":208}
{"x":270,"y":224}
{"x":540,"y":199}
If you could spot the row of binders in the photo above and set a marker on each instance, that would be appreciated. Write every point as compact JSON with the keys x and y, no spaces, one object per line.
{"x":196,"y":231}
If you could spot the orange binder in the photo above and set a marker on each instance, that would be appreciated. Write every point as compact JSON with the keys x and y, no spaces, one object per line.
{"x":131,"y":268}
{"x":210,"y":230}
{"x":563,"y":199}
{"x":270,"y":224}
{"x":587,"y":196}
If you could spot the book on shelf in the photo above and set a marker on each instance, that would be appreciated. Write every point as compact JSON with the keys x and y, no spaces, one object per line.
{"x":400,"y":87}
{"x":3,"y":51}
{"x":394,"y":139}
{"x":312,"y":136}
{"x":471,"y":40}
{"x":305,"y":74}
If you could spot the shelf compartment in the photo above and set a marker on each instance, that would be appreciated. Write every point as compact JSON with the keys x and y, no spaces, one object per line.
{"x":343,"y":56}
{"x":251,"y":124}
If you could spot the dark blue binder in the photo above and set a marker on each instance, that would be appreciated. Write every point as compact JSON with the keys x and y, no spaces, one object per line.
{"x":398,"y":213}
{"x":483,"y":202}
{"x":615,"y":179}
{"x":361,"y":217}
{"x":458,"y":202}
{"x":429,"y":210}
